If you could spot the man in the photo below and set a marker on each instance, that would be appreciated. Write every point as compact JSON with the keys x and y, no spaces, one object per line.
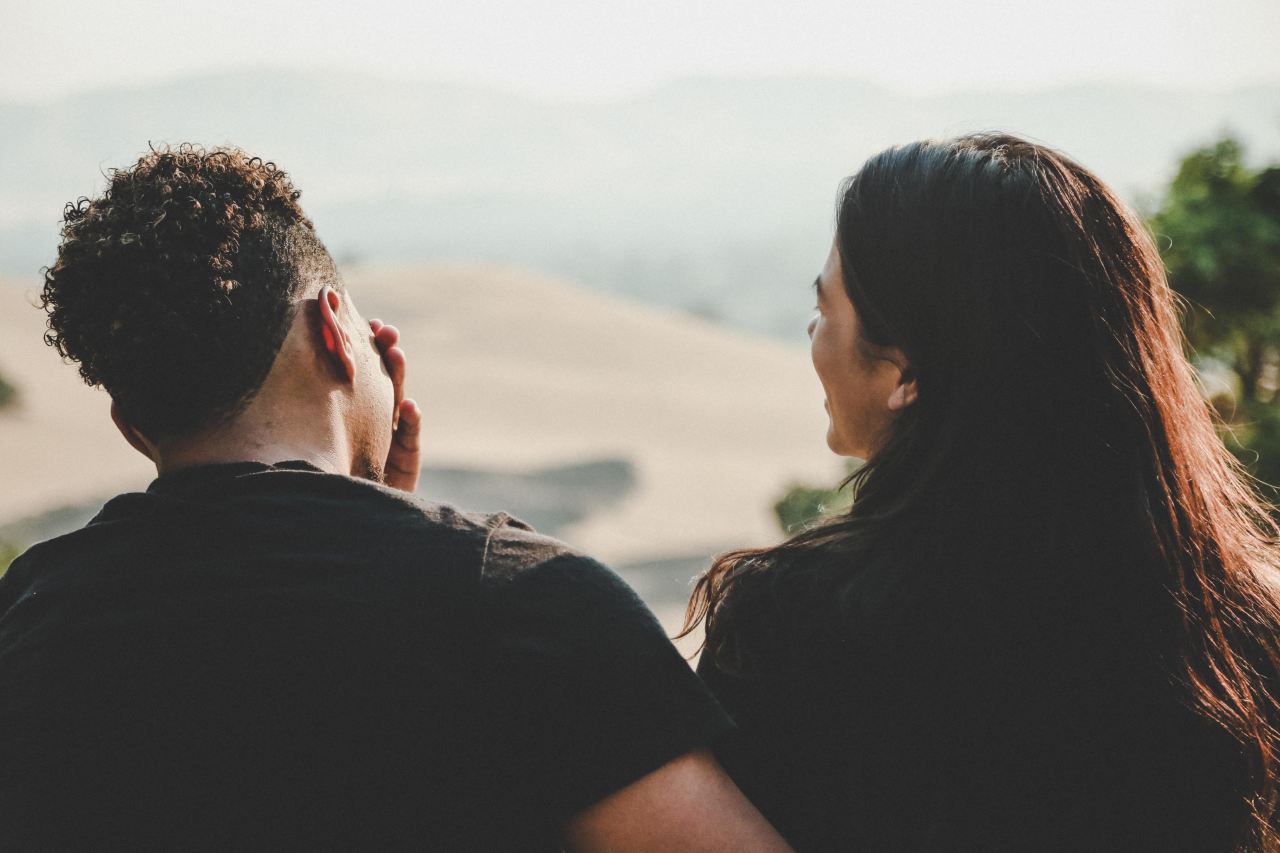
{"x":271,"y":648}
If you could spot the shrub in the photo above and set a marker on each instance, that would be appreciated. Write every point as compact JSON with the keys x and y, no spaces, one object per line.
{"x":8,"y":393}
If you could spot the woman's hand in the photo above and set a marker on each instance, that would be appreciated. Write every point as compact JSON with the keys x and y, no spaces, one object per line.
{"x":404,"y":459}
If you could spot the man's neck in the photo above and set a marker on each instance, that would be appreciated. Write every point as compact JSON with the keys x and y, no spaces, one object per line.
{"x":270,"y":436}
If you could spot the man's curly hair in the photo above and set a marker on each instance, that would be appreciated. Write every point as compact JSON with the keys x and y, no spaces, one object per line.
{"x":175,"y":289}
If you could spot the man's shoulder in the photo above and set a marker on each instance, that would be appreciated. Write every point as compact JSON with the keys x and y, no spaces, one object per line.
{"x":299,"y":509}
{"x":505,"y":545}
{"x":530,"y":571}
{"x":513,"y":548}
{"x":291,"y":515}
{"x":508,"y":549}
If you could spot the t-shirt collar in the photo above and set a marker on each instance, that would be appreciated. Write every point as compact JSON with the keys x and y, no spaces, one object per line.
{"x":199,"y":476}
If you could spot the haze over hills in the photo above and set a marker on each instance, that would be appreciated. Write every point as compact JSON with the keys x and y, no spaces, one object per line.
{"x":711,"y":195}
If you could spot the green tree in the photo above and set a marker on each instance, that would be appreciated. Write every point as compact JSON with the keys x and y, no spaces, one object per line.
{"x":804,"y":505}
{"x":1218,"y":228}
{"x":8,"y":394}
{"x":1219,"y":234}
{"x":8,"y":553}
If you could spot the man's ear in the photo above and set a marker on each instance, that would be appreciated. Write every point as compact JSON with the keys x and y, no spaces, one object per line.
{"x":136,"y":439}
{"x":905,"y":392}
{"x":337,"y":343}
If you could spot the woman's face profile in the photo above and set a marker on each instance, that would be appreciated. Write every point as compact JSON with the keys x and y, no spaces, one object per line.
{"x":864,"y":385}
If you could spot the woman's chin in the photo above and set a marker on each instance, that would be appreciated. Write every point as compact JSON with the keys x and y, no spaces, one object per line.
{"x":841,"y":447}
{"x":835,"y":444}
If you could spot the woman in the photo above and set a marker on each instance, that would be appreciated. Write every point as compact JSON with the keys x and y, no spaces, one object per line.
{"x":1050,"y":619}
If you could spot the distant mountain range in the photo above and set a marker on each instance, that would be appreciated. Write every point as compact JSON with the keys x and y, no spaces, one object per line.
{"x":712,"y":195}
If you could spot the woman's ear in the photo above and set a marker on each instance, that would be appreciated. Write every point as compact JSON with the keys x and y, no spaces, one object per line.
{"x":905,"y":392}
{"x":337,"y":343}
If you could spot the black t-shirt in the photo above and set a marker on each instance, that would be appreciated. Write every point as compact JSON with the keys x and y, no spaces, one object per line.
{"x":971,"y":717}
{"x":269,"y":657}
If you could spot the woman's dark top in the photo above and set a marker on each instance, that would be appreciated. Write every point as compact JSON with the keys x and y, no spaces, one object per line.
{"x":972,"y":709}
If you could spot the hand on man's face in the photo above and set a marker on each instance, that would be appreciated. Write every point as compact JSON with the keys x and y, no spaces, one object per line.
{"x":404,"y":459}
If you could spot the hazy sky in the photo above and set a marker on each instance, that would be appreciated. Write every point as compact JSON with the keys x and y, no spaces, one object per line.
{"x":593,"y":48}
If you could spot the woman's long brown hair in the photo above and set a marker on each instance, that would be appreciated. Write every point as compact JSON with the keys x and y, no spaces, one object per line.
{"x":1055,"y":393}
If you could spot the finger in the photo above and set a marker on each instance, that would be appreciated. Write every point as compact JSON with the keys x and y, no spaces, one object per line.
{"x":387,"y":336}
{"x":375,"y":324}
{"x":407,"y":436}
{"x":384,"y":340}
{"x":396,"y":365}
{"x":404,"y":461}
